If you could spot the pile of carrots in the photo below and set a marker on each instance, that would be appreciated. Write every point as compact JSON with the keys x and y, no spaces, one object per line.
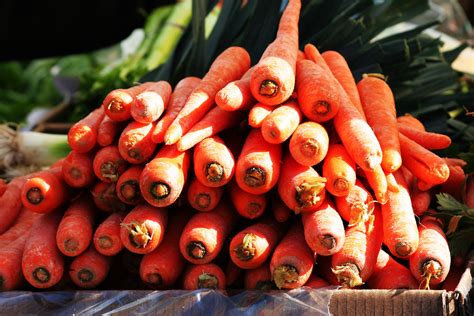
{"x":284,"y":174}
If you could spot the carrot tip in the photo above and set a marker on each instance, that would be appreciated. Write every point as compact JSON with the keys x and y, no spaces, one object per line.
{"x":109,"y":171}
{"x":70,"y":245}
{"x":309,"y":148}
{"x":34,"y":195}
{"x":403,"y":249}
{"x":348,"y":275}
{"x":431,"y":268}
{"x":268,"y":88}
{"x":254,"y":208}
{"x":85,"y":275}
{"x":138,"y":234}
{"x":130,"y":190}
{"x":134,"y":153}
{"x":105,"y":242}
{"x":41,"y":275}
{"x":341,"y":185}
{"x":115,"y":106}
{"x":246,"y":250}
{"x":255,"y":177}
{"x":208,"y":281}
{"x":214,"y":172}
{"x":75,"y":173}
{"x":322,"y":107}
{"x":307,"y":193}
{"x":203,"y":200}
{"x":159,"y":190}
{"x":154,"y":279}
{"x":285,"y":274}
{"x":328,"y":241}
{"x":196,"y":250}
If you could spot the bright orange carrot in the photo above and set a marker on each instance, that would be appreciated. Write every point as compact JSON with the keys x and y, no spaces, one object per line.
{"x":82,"y":136}
{"x":280,"y":211}
{"x":89,"y":269}
{"x":128,"y":186}
{"x":105,"y":198}
{"x":163,"y":178}
{"x":316,"y":282}
{"x":273,"y":78}
{"x":399,"y":224}
{"x":258,"y":113}
{"x":108,"y":164}
{"x":431,"y":262}
{"x":142,"y":230}
{"x":300,"y":187}
{"x":108,"y":131}
{"x":229,"y":66}
{"x":279,"y":125}
{"x":10,"y":203}
{"x":455,"y":182}
{"x":19,"y":227}
{"x":107,"y":235}
{"x":236,"y":95}
{"x":378,"y":182}
{"x":215,"y":121}
{"x":214,"y":163}
{"x":425,"y":139}
{"x":323,"y":229}
{"x":420,"y":200}
{"x":204,"y":276}
{"x":411,"y":121}
{"x":135,"y":144}
{"x":258,"y":166}
{"x":259,"y":279}
{"x":357,"y":206}
{"x":150,"y":103}
{"x":309,"y":143}
{"x":292,"y":261}
{"x":77,"y":170}
{"x":203,"y":198}
{"x":248,"y":205}
{"x":118,"y":102}
{"x":312,"y":53}
{"x":339,"y":170}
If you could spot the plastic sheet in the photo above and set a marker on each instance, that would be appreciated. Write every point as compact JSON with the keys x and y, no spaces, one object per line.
{"x":302,"y":301}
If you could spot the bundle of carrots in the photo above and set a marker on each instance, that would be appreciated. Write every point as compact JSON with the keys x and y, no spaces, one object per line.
{"x":325,"y":173}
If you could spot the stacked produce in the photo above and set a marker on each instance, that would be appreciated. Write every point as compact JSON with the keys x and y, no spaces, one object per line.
{"x":250,"y":171}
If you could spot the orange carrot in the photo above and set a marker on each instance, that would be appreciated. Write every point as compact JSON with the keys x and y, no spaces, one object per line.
{"x":309,"y":143}
{"x":411,"y":121}
{"x":203,"y":198}
{"x":214,"y":163}
{"x":431,"y":262}
{"x":135,"y":144}
{"x":128,"y":186}
{"x":292,"y":261}
{"x":399,"y":224}
{"x":259,"y":279}
{"x":118,"y":102}
{"x":19,"y":227}
{"x":215,"y":121}
{"x":10,"y":203}
{"x":236,"y":95}
{"x":357,"y":206}
{"x":258,"y":166}
{"x":107,"y":235}
{"x":391,"y":182}
{"x":455,"y":162}
{"x":142,"y":230}
{"x":425,"y":139}
{"x":42,"y":263}
{"x":339,"y":170}
{"x":178,"y":98}
{"x":77,"y":170}
{"x":390,"y":275}
{"x":280,"y":211}
{"x":300,"y":187}
{"x":246,"y":204}
{"x":273,"y":78}
{"x":316,"y":282}
{"x":455,"y":182}
{"x":150,"y":103}
{"x":204,"y":276}
{"x":420,"y":200}
{"x":355,"y":263}
{"x":378,"y":182}
{"x":108,"y":131}
{"x":108,"y":164}
{"x":75,"y":230}
{"x":229,"y":66}
{"x":279,"y":125}
{"x":312,"y":53}
{"x":163,"y":178}
{"x":89,"y":269}
{"x":82,"y":136}
{"x":323,"y":229}
{"x":258,"y":113}
{"x":105,"y":198}
{"x":204,"y":234}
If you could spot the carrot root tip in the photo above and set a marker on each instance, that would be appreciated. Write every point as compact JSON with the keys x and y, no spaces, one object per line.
{"x":328,"y":241}
{"x":285,"y":274}
{"x":255,"y":177}
{"x":208,"y":281}
{"x":203,"y":200}
{"x":309,"y":148}
{"x":34,"y":195}
{"x":160,"y":190}
{"x":41,"y":275}
{"x":268,"y":88}
{"x":307,"y":193}
{"x":71,"y":245}
{"x":431,"y":268}
{"x":246,"y":250}
{"x":105,"y":242}
{"x":322,"y":107}
{"x":196,"y":250}
{"x":154,"y":279}
{"x":348,"y":275}
{"x":134,"y":153}
{"x":108,"y":170}
{"x":403,"y":248}
{"x":115,"y":106}
{"x":214,"y":172}
{"x":138,"y":234}
{"x":254,"y":208}
{"x":360,"y":213}
{"x":130,"y":190}
{"x":341,"y":185}
{"x":75,"y":173}
{"x":85,"y":275}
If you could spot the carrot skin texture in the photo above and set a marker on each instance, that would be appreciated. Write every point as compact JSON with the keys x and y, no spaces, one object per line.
{"x":118,"y":102}
{"x":108,"y":131}
{"x":389,"y":274}
{"x":142,"y":230}
{"x":313,"y":54}
{"x":201,"y":276}
{"x":316,"y":282}
{"x":309,"y":143}
{"x":248,"y":205}
{"x":378,"y":182}
{"x":425,"y":139}
{"x":420,"y":200}
{"x":455,"y":182}
{"x":357,"y":206}
{"x":203,"y":198}
{"x":21,"y":226}
{"x":339,"y":170}
{"x":77,"y":170}
{"x":3,"y":187}
{"x":411,"y":121}
{"x":108,"y":164}
{"x":236,"y":95}
{"x":280,"y":211}
{"x":105,"y":198}
{"x":135,"y":144}
{"x":107,"y":235}
{"x":258,"y":113}
{"x":128,"y":185}
{"x":89,"y":269}
{"x":10,"y":203}
{"x":150,"y":103}
{"x":259,"y":278}
{"x":82,"y":136}
{"x":279,"y":125}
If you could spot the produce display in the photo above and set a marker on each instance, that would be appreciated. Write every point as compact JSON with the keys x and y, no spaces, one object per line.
{"x":280,"y":174}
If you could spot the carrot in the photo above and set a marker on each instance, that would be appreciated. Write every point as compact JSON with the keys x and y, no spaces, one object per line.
{"x":105,"y":198}
{"x":107,"y":235}
{"x":424,"y":164}
{"x":273,"y":78}
{"x":178,"y":98}
{"x":455,"y":182}
{"x":108,"y":131}
{"x":258,"y":166}
{"x":230,"y":65}
{"x":118,"y":102}
{"x":3,"y":187}
{"x":142,"y":230}
{"x":455,"y":162}
{"x":280,"y":211}
{"x":411,"y":121}
{"x":279,"y":125}
{"x":233,"y":275}
{"x":258,"y":113}
{"x":82,"y":136}
{"x":151,"y":102}
{"x":300,"y":187}
{"x":292,"y":261}
{"x":248,"y":205}
{"x":204,"y":234}
{"x":77,"y":170}
{"x":76,"y":228}
{"x":19,"y":227}
{"x":399,"y":224}
{"x":128,"y":185}
{"x":309,"y":143}
{"x":204,"y":276}
{"x":431,"y":262}
{"x":420,"y":200}
{"x":135,"y":144}
{"x":339,"y":170}
{"x":89,"y":269}
{"x":355,"y":263}
{"x":42,"y":263}
{"x":10,"y":203}
{"x":215,"y":121}
{"x":259,"y":279}
{"x":45,"y":191}
{"x":378,"y":182}
{"x":391,"y":182}
{"x":408,"y":176}
{"x":316,"y":282}
{"x":323,"y":229}
{"x":203,"y":198}
{"x":214,"y":163}
{"x":236,"y":95}
{"x":468,"y":194}
{"x":319,"y":93}
{"x":163,"y":178}
{"x":312,"y":53}
{"x":389,"y":274}
{"x":162,"y":267}
{"x":425,"y":139}
{"x":108,"y":164}
{"x":251,"y":247}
